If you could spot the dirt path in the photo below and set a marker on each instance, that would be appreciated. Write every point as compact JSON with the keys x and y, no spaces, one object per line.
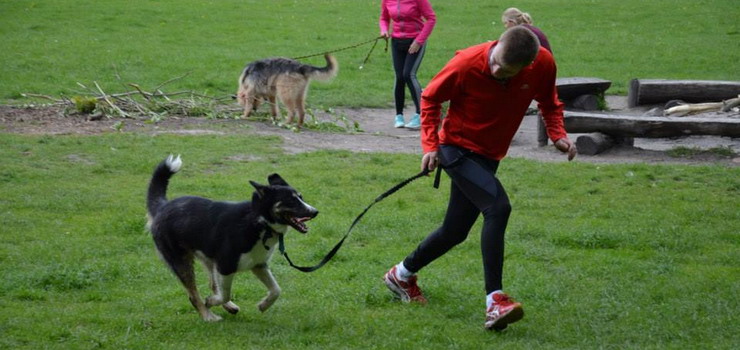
{"x":378,"y":135}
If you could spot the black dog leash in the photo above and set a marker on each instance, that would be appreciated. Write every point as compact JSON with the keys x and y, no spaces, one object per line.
{"x":367,"y":57}
{"x":334,"y":250}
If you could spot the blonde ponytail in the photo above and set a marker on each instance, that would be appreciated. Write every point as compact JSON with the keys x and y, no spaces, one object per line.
{"x":515,"y":16}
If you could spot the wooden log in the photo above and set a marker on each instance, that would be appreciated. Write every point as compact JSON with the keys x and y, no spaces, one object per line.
{"x":653,"y":91}
{"x":542,"y":138}
{"x":583,"y":103}
{"x":570,"y":88}
{"x":650,"y":127}
{"x":593,"y":143}
{"x":684,"y":109}
{"x":730,"y":104}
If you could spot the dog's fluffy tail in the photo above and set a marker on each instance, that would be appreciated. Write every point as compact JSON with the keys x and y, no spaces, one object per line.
{"x":157,"y":194}
{"x":325,"y":73}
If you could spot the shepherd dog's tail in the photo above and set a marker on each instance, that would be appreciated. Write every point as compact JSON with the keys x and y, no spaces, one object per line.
{"x":157,"y":194}
{"x":324,"y":73}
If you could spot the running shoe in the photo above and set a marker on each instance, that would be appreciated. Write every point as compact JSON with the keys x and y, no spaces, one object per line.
{"x":407,"y":290}
{"x":502,"y":312}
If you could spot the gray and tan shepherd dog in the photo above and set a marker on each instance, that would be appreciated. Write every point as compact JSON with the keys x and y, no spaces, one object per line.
{"x":227,"y":237}
{"x":284,"y":79}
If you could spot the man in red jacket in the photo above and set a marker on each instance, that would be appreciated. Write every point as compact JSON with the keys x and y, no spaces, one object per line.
{"x":489,"y":88}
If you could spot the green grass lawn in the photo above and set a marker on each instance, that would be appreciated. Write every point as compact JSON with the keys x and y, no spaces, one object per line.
{"x":602,"y":256}
{"x":47,"y":47}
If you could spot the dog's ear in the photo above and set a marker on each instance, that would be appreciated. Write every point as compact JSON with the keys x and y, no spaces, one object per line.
{"x":260,"y":188}
{"x":276,"y":180}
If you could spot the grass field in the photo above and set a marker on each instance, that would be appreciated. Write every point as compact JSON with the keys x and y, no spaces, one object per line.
{"x":602,"y":256}
{"x":47,"y":47}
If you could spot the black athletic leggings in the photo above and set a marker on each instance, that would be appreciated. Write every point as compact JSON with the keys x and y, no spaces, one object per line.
{"x":405,"y":65}
{"x":474,"y":190}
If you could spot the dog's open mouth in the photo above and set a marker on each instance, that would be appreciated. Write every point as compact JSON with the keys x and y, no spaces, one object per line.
{"x":298,"y":223}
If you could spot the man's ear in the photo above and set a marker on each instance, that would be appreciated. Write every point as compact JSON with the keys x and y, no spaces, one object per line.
{"x":276,"y":180}
{"x":260,"y":188}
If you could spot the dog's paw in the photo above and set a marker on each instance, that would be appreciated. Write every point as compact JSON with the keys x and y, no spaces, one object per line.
{"x":265,"y":304}
{"x":211,"y":317}
{"x":212,"y":301}
{"x":231,"y":308}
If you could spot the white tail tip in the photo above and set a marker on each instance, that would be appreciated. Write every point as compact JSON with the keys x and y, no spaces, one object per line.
{"x":174,"y":163}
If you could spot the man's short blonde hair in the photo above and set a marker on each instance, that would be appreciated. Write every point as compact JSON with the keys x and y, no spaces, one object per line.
{"x":520,"y":46}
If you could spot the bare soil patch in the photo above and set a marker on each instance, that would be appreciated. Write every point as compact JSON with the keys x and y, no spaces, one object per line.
{"x":377,"y":135}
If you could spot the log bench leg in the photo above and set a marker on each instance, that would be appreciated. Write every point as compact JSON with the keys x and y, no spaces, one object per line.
{"x":541,"y":131}
{"x":595,"y":143}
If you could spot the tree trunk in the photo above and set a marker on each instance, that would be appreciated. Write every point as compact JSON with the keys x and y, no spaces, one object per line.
{"x":654,"y":91}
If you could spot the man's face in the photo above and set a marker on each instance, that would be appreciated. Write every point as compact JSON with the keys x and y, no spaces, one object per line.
{"x":499,"y":69}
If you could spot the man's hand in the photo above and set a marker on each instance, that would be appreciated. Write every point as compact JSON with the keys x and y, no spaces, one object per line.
{"x":566,"y":146}
{"x":429,"y":161}
{"x":385,"y":35}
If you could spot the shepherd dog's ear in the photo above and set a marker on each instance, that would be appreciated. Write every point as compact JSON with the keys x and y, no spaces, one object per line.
{"x":276,"y":180}
{"x":260,"y":188}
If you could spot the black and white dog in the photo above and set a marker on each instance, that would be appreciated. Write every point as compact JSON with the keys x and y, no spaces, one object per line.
{"x":226,"y":237}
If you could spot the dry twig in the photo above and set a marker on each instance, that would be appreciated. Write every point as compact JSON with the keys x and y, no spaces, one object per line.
{"x":123,"y":114}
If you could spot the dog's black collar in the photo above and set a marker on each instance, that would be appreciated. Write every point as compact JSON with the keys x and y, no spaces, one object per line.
{"x":269,"y":233}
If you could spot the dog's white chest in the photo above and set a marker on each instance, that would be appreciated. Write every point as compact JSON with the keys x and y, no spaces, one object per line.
{"x":259,"y":255}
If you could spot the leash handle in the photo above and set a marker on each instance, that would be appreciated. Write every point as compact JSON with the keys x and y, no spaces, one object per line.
{"x":367,"y":58}
{"x":437,"y":176}
{"x":330,"y":255}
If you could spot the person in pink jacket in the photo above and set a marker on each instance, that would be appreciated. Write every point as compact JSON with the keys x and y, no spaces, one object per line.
{"x":413,"y":21}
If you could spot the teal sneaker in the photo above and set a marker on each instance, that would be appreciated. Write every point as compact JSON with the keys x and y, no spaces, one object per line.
{"x":415,"y":123}
{"x":399,"y":121}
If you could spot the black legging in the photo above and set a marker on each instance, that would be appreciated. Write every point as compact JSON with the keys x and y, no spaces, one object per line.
{"x":474,"y":190}
{"x":405,"y":65}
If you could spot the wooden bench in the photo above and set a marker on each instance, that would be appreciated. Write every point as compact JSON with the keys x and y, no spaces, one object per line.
{"x":571,"y":88}
{"x":604,"y":130}
{"x":579,"y":93}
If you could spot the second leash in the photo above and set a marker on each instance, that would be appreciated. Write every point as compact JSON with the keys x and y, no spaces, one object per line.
{"x":367,"y":57}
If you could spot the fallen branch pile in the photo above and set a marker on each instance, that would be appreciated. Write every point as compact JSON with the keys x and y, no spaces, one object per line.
{"x":155,"y":104}
{"x":95,"y":104}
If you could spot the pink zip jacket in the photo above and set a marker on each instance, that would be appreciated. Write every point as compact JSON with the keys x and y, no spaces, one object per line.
{"x":407,"y":18}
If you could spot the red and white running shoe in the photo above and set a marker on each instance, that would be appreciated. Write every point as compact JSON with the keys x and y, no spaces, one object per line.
{"x":502,"y":312}
{"x":407,"y":290}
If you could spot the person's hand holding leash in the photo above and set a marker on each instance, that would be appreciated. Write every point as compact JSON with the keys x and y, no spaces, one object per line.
{"x":429,"y":161}
{"x":385,"y":35}
{"x":567,"y":146}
